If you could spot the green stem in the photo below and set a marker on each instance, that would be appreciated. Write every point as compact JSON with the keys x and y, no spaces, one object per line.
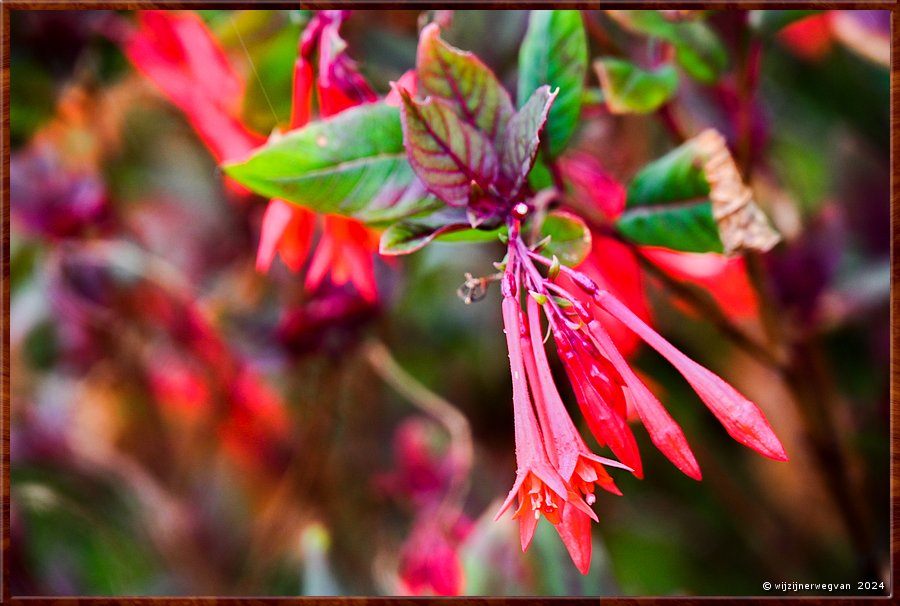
{"x":461,"y":449}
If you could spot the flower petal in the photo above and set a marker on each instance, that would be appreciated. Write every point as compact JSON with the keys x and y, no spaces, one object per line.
{"x":275,"y":220}
{"x":664,"y":431}
{"x":574,"y":529}
{"x":301,"y":100}
{"x":743,"y":420}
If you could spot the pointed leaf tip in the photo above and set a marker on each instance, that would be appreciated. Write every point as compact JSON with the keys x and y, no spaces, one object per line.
{"x":743,"y":419}
{"x":523,"y":137}
{"x":461,"y":80}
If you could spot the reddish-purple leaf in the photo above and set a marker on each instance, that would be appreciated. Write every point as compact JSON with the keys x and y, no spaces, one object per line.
{"x":523,"y":138}
{"x":446,"y":153}
{"x":467,"y":84}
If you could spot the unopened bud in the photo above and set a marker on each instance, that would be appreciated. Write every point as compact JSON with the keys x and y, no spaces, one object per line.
{"x":520,"y":211}
{"x":544,"y":242}
{"x":553,"y":272}
{"x":541,"y":299}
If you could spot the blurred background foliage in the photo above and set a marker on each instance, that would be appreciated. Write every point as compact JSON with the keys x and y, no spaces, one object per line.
{"x":183,"y":425}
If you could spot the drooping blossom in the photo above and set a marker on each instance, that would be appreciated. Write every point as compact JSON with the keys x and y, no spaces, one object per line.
{"x":556,"y":471}
{"x":178,"y":53}
{"x":576,"y":330}
{"x":614,"y":266}
{"x":346,"y":246}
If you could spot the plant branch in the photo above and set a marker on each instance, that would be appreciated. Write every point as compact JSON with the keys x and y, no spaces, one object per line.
{"x":461,"y":451}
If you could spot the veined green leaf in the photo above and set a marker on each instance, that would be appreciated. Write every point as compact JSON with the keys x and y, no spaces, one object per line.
{"x":463,"y":81}
{"x":627,"y":89}
{"x":523,"y":137}
{"x":685,"y":227}
{"x":554,"y":52}
{"x":446,"y":153}
{"x":352,"y":164}
{"x":570,"y":238}
{"x":693,"y":199}
{"x":676,"y":177}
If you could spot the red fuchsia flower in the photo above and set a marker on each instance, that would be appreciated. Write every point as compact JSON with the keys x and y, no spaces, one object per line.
{"x":346,"y":246}
{"x":429,"y":563}
{"x":615,"y":268}
{"x":555,"y":468}
{"x":576,"y":330}
{"x":178,"y":53}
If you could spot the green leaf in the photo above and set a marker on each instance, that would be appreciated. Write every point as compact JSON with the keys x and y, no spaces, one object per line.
{"x":694,"y":199}
{"x":523,"y":138}
{"x":677,"y":176}
{"x":554,"y":52}
{"x":697,"y":48}
{"x":685,"y":227}
{"x":464,"y":82}
{"x":352,"y":164}
{"x":770,"y":22}
{"x":449,"y":224}
{"x":446,"y":153}
{"x":628,"y":89}
{"x":570,"y":238}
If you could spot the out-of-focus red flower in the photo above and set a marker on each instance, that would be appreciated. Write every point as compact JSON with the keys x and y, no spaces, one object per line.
{"x":422,"y":475}
{"x":287,"y":229}
{"x":345,"y":252}
{"x":866,"y":32}
{"x":178,"y":53}
{"x":809,"y":38}
{"x":616,"y":268}
{"x":180,"y":387}
{"x":256,"y":427}
{"x":346,"y":246}
{"x":422,"y":471}
{"x":429,"y":563}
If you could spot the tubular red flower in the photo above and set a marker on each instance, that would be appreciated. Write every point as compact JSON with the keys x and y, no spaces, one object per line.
{"x":344,"y":251}
{"x":606,"y":424}
{"x":346,"y":246}
{"x":568,"y":452}
{"x":742,"y":418}
{"x":664,"y":431}
{"x":574,"y":529}
{"x":301,"y":93}
{"x":538,"y":486}
{"x":287,"y":229}
{"x":178,"y":53}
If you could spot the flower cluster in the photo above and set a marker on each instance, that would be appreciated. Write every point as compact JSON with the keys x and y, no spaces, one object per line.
{"x":556,"y":471}
{"x":178,"y":53}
